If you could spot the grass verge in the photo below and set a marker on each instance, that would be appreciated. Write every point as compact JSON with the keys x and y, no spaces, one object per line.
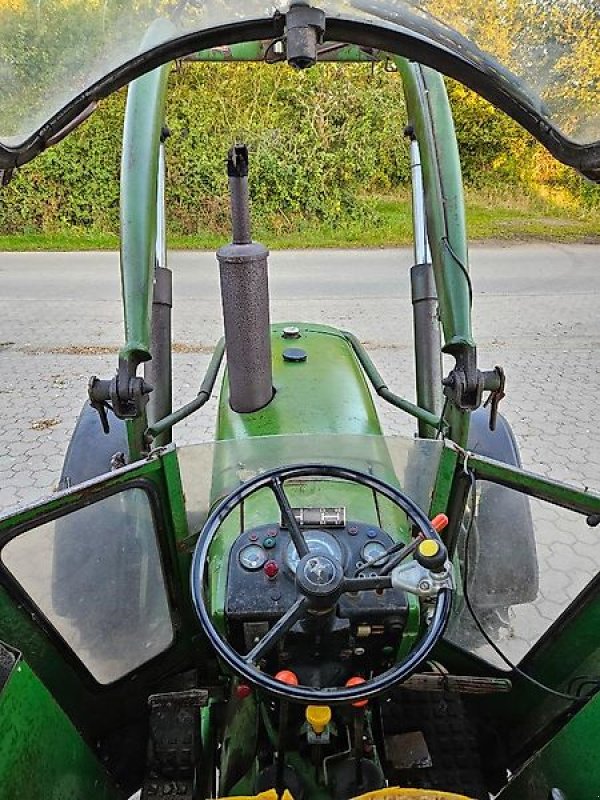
{"x":501,"y":216}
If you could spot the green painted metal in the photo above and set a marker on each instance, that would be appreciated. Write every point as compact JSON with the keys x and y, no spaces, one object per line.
{"x":382,"y":390}
{"x":244,"y":51}
{"x":239,"y":748}
{"x":327,"y":393}
{"x":202,"y":397}
{"x":42,"y":756}
{"x":444,"y":485}
{"x":430,"y":114}
{"x":308,"y":772}
{"x":136,"y":436}
{"x":176,"y":544}
{"x":255,"y":51}
{"x":95,"y":712}
{"x":86,"y":492}
{"x":144,"y":116}
{"x":569,"y":762}
{"x":569,"y":649}
{"x":553,"y":491}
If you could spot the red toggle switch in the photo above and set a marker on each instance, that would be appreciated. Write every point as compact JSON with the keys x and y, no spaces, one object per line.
{"x":271,"y":569}
{"x":287,"y":676}
{"x":439,"y":522}
{"x":356,"y":681}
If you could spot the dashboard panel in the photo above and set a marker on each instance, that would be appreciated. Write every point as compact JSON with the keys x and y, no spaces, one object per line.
{"x":261,"y":573}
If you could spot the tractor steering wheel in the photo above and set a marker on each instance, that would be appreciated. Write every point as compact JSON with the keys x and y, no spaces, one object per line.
{"x":320,"y":581}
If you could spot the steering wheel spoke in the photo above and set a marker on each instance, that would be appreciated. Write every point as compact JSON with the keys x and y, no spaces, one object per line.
{"x":281,"y":627}
{"x":364,"y":584}
{"x":288,"y":515}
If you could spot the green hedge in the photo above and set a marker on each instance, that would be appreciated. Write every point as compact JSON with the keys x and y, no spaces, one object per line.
{"x":322,"y":142}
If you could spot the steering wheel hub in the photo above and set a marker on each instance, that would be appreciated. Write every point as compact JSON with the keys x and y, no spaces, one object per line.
{"x":319,"y":576}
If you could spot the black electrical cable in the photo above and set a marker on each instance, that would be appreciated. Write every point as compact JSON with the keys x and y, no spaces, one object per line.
{"x":583,"y":680}
{"x":462,"y":266}
{"x":270,"y":48}
{"x":563,"y":695}
{"x":440,"y":433}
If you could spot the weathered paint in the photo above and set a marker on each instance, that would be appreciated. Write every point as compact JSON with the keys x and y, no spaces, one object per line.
{"x":382,"y":389}
{"x":42,"y":756}
{"x":238,"y":748}
{"x":95,"y":711}
{"x":568,"y":762}
{"x":144,"y":116}
{"x":327,"y":393}
{"x":430,"y":114}
{"x":548,"y":489}
{"x":255,"y":51}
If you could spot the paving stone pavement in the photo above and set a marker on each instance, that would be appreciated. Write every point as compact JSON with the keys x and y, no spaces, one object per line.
{"x":535,"y":312}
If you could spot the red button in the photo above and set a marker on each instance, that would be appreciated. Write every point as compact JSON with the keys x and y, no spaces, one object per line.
{"x":271,"y":569}
{"x":287,"y":676}
{"x":439,"y":522}
{"x":357,"y":681}
{"x":242,"y":691}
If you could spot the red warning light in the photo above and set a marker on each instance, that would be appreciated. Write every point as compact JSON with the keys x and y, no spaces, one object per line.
{"x":271,"y":569}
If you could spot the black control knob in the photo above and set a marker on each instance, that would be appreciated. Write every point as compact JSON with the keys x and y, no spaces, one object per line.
{"x":431,"y":555}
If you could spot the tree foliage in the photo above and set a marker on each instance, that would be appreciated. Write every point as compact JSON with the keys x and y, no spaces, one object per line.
{"x":553,"y":46}
{"x":322,"y":142}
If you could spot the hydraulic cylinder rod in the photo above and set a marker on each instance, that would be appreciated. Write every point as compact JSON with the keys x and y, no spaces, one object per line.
{"x":158,"y":371}
{"x":421,"y":243}
{"x":428,"y":345}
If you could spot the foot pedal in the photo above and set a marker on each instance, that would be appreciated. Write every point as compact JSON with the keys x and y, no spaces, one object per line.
{"x":174,"y":746}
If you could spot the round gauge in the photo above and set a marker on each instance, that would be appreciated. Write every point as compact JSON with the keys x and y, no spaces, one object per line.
{"x":252,"y":556}
{"x":318,"y":542}
{"x":373,"y":550}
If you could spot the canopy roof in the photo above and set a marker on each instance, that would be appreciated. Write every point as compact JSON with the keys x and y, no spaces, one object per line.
{"x":539,"y":60}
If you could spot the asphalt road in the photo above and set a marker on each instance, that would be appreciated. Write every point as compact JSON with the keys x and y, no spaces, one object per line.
{"x":535,"y":312}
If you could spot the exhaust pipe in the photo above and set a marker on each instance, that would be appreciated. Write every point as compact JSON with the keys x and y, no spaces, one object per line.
{"x":245,"y":298}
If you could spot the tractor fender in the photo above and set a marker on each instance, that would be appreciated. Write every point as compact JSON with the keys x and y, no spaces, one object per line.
{"x":90,"y":450}
{"x":505,"y":569}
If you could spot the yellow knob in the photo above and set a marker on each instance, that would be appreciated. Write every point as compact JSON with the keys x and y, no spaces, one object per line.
{"x":318,"y":717}
{"x":429,"y":547}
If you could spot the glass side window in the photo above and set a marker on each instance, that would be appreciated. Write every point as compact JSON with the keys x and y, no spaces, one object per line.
{"x":527,"y":562}
{"x":96,"y":575}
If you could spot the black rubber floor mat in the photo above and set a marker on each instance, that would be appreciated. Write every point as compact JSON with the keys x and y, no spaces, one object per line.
{"x":450,"y":761}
